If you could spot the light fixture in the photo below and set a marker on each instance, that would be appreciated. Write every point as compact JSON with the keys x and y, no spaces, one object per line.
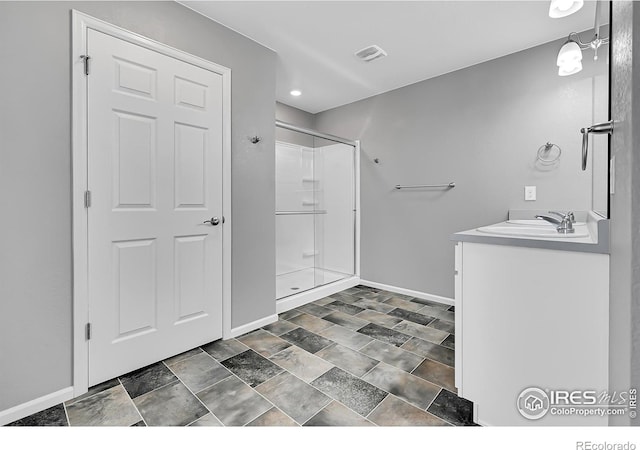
{"x":569,"y":59}
{"x":564,"y":8}
{"x":570,"y":54}
{"x":296,"y":93}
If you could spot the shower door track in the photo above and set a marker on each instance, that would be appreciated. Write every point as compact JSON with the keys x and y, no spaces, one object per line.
{"x":329,"y":137}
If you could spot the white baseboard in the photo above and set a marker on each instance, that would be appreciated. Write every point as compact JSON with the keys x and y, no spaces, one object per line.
{"x":409,"y":292}
{"x":39,"y":404}
{"x":242,"y":329}
{"x":312,"y":295}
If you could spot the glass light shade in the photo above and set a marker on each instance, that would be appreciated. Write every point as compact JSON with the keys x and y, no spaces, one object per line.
{"x":563,"y":71}
{"x":569,"y":59}
{"x":564,"y":8}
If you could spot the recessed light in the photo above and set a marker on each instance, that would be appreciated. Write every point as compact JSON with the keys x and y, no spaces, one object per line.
{"x":296,"y":93}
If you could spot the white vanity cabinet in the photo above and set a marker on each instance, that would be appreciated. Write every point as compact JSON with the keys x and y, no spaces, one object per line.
{"x":529,"y":317}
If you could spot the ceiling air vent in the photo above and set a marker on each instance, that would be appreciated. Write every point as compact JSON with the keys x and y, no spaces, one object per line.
{"x":370,"y":53}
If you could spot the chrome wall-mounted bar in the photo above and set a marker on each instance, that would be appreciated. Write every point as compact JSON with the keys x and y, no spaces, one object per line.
{"x":417,"y":186}
{"x":293,"y":213}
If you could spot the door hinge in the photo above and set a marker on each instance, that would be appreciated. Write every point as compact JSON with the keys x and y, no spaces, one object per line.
{"x":85,"y":59}
{"x":87,"y":331}
{"x":87,"y":199}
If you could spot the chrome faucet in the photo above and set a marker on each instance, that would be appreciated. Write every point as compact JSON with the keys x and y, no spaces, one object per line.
{"x":564,"y":224}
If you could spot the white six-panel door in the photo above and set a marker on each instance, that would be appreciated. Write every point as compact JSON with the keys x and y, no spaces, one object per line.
{"x":155,"y":175}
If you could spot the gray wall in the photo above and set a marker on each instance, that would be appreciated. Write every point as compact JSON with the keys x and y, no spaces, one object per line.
{"x":298,"y":117}
{"x":35,"y":176}
{"x":294,"y":115}
{"x":624,"y":291}
{"x":480,"y":127}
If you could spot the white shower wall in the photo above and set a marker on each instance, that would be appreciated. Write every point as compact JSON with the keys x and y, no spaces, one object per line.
{"x":314,"y":216}
{"x":295,"y":247}
{"x":338,"y":233}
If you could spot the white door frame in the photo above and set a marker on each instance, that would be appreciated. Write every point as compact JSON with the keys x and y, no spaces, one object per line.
{"x":80,"y":24}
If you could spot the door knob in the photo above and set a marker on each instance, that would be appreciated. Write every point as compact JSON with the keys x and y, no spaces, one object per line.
{"x":213,"y":221}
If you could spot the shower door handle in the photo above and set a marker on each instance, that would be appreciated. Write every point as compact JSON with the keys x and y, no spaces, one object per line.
{"x":598,"y":128}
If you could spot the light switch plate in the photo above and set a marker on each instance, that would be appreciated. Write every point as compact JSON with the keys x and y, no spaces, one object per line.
{"x":529,"y":193}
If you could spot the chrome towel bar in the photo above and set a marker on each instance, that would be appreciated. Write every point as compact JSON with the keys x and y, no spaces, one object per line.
{"x":415,"y":186}
{"x":294,"y":213}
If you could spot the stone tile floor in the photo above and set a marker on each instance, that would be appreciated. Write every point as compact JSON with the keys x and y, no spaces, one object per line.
{"x":362,"y":357}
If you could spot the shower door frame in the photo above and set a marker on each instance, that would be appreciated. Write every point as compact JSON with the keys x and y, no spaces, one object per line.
{"x":316,"y":293}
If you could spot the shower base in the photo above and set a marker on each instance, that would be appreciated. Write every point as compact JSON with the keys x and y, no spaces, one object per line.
{"x":302,"y":280}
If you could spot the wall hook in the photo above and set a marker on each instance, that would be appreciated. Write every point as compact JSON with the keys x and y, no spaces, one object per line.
{"x":255,"y":139}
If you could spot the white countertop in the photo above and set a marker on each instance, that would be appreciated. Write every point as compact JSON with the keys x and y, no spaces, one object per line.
{"x":596,"y":241}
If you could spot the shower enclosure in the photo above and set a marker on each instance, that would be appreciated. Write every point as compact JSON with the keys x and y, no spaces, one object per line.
{"x":316,"y":214}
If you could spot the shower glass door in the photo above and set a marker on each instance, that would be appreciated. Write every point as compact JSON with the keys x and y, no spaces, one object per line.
{"x":315,"y":212}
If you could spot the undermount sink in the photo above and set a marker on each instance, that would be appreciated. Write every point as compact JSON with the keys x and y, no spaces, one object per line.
{"x":534,"y":229}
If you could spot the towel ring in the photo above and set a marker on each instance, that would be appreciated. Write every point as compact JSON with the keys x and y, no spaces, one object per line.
{"x":546,"y":154}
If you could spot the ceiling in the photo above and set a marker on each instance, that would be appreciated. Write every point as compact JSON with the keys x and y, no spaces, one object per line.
{"x":316,"y":40}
